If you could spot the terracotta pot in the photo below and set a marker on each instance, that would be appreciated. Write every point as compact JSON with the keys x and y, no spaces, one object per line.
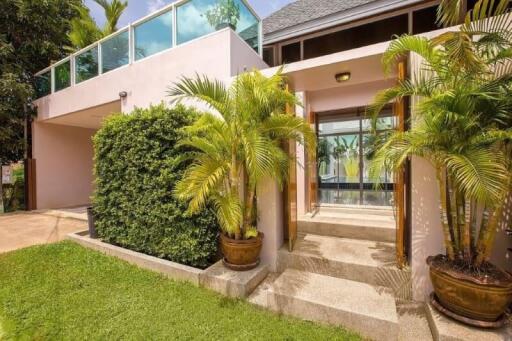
{"x":469,"y":297}
{"x":241,"y":254}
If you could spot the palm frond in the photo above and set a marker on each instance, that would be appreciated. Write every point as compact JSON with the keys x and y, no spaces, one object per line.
{"x":480,"y":173}
{"x":401,"y":46}
{"x":449,"y":12}
{"x":201,"y":88}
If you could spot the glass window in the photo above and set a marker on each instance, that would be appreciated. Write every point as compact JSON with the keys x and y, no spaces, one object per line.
{"x":43,"y":84}
{"x":86,"y":65}
{"x":153,"y":36}
{"x":248,"y":26}
{"x":290,"y":53}
{"x":424,"y":20}
{"x":355,"y":37}
{"x":62,"y":76}
{"x":115,"y":52}
{"x":197,"y":18}
{"x":268,"y":56}
{"x":192,"y":21}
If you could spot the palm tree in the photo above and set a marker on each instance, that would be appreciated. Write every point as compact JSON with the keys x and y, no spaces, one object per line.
{"x":464,"y":121}
{"x":238,"y":145}
{"x":85,"y":31}
{"x":113,"y":11}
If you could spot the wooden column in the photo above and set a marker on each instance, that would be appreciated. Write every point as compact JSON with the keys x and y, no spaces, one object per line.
{"x":290,"y":192}
{"x":30,"y":184}
{"x":311,"y":168}
{"x":399,"y":109}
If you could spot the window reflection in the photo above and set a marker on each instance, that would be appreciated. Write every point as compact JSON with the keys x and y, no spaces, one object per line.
{"x":43,"y":84}
{"x":86,"y":65}
{"x":115,"y":52}
{"x":197,"y":18}
{"x":153,"y":36}
{"x":62,"y":76}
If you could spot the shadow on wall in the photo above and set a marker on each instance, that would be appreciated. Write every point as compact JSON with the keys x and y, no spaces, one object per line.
{"x":427,"y":238}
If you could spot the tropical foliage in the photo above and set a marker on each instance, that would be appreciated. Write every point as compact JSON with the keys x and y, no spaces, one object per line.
{"x":32,"y":35}
{"x":463,"y":95}
{"x":224,"y":12}
{"x":137,"y":166}
{"x":85,"y":31}
{"x":238,"y":146}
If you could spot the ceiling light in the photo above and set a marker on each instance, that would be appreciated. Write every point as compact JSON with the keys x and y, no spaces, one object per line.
{"x":342,"y":77}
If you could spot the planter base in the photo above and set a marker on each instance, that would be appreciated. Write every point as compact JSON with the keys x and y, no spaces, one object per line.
{"x":240,"y":267}
{"x":476,"y":323}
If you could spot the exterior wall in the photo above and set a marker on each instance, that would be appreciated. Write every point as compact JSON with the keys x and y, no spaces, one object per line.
{"x":64,"y":165}
{"x":219,"y":55}
{"x":346,"y":97}
{"x":242,"y":57}
{"x":270,"y":221}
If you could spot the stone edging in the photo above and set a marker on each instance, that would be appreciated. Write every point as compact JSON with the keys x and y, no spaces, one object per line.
{"x":216,"y":277}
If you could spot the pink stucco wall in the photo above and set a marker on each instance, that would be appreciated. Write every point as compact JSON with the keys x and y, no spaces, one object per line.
{"x":64,"y":164}
{"x":64,"y":150}
{"x":219,"y":55}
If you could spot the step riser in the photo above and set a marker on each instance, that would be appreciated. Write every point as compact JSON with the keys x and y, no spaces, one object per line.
{"x":358,"y":211}
{"x":367,"y":326}
{"x":354,"y":272}
{"x":347,"y":231}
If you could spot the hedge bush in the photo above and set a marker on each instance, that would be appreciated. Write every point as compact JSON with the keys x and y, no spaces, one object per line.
{"x":136,"y":168}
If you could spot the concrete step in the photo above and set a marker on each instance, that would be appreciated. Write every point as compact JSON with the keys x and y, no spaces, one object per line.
{"x":383,"y":211}
{"x":357,"y":260}
{"x":365,"y":227}
{"x":366,"y":309}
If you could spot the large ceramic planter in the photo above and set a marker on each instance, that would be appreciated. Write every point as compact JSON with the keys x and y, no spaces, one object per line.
{"x":469,"y":299}
{"x":241,"y":255}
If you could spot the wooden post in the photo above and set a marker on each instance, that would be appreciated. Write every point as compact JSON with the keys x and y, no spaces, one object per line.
{"x":399,"y":110}
{"x":30,"y":184}
{"x":290,"y":195}
{"x":312,"y":176}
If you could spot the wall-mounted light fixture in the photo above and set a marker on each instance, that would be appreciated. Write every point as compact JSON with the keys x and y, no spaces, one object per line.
{"x":123,"y":94}
{"x":342,"y":77}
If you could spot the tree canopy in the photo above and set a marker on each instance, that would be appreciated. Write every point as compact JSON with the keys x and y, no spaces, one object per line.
{"x":33,"y":34}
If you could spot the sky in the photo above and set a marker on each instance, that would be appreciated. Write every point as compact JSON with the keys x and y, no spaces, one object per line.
{"x":140,"y":8}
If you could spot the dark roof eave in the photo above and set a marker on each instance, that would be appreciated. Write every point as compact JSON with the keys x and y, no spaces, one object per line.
{"x":353,"y":14}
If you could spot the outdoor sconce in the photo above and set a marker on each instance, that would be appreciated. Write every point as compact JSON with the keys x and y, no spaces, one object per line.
{"x":342,"y":77}
{"x":123,"y":94}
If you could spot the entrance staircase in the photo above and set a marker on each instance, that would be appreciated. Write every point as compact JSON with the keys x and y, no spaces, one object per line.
{"x":342,"y":272}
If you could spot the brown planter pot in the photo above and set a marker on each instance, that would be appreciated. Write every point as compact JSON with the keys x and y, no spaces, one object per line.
{"x":241,"y":255}
{"x":468,"y":297}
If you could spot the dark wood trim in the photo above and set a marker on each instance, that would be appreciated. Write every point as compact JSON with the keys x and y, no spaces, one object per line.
{"x":30,"y":184}
{"x":400,"y":180}
{"x":290,"y":191}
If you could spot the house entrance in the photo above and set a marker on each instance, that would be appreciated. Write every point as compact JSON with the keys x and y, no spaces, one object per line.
{"x":346,"y":147}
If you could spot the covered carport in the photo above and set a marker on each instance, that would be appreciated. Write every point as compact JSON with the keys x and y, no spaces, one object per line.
{"x":62,"y":151}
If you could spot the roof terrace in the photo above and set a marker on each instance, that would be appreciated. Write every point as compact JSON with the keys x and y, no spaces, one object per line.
{"x":173,"y":25}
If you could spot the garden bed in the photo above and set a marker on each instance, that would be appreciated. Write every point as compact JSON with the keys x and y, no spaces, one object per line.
{"x":216,"y":277}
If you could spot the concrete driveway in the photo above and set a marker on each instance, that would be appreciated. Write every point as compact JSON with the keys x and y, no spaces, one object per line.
{"x":19,"y":230}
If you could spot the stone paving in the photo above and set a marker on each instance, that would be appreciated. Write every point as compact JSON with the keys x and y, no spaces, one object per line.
{"x":23,"y":229}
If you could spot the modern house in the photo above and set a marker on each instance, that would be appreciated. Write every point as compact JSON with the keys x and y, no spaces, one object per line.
{"x":332,"y":230}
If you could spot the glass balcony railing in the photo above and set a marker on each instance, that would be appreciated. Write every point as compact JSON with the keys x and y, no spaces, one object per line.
{"x":171,"y":26}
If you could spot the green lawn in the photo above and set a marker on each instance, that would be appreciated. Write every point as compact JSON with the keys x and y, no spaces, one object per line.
{"x":64,"y":291}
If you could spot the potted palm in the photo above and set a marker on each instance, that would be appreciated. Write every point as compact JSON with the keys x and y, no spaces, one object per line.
{"x":463,"y":91}
{"x":226,"y":13}
{"x":235,"y":148}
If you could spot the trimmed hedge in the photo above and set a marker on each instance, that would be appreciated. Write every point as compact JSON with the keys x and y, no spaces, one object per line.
{"x":136,"y":168}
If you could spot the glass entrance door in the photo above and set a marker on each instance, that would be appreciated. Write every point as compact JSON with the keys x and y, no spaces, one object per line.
{"x":345,"y":151}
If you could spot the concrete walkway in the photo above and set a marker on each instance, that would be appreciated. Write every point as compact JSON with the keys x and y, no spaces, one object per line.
{"x":19,"y":230}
